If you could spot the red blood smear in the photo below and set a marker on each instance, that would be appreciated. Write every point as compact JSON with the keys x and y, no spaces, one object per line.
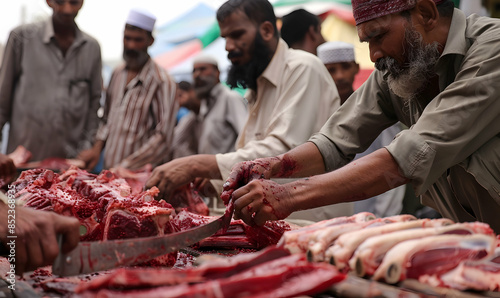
{"x":437,"y":261}
{"x":289,"y":167}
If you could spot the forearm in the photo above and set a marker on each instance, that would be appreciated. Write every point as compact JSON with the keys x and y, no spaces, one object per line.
{"x":204,"y":165}
{"x":302,"y":161}
{"x":361,"y":179}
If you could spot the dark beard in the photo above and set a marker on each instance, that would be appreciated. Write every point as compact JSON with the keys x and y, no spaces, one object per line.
{"x":406,"y":81}
{"x":135,"y":59}
{"x":245,"y":76}
{"x":203,"y":85}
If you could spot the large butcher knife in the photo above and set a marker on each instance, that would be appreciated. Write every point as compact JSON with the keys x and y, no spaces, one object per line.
{"x":94,"y":256}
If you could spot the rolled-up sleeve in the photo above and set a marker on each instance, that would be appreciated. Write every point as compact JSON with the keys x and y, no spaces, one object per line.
{"x":456,"y":123}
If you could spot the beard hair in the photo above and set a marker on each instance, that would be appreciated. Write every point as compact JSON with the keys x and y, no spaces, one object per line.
{"x":135,"y":59}
{"x":245,"y":76}
{"x":406,"y":81}
{"x":207,"y":84}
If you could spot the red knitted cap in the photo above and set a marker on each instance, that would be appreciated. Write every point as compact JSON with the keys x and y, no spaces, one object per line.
{"x":366,"y":10}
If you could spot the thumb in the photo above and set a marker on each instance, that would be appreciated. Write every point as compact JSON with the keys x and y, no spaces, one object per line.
{"x":69,"y":227}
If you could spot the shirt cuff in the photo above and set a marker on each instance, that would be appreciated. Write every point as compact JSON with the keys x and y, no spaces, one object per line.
{"x":332,"y":158}
{"x":414,"y":157}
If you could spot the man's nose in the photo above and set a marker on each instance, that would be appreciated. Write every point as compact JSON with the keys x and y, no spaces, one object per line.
{"x":375,"y":53}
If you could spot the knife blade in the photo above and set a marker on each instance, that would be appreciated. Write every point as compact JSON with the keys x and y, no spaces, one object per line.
{"x":94,"y":256}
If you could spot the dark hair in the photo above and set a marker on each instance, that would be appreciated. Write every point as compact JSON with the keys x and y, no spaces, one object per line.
{"x":296,"y":24}
{"x":257,"y":11}
{"x":185,"y":85}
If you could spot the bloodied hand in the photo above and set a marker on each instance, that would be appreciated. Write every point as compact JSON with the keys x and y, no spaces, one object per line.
{"x":262,"y":200}
{"x":244,"y":172}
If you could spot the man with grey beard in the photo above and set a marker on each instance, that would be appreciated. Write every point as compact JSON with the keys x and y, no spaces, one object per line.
{"x":437,"y":73}
{"x":222,"y":113}
{"x":140,"y":111}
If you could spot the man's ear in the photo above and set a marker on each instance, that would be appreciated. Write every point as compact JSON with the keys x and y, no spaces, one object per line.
{"x":151,"y":41}
{"x":356,"y":65}
{"x":266,"y":30}
{"x":426,"y":14}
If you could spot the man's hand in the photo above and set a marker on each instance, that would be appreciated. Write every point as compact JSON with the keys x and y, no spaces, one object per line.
{"x":205,"y":187}
{"x":168,"y":177}
{"x":91,"y":156}
{"x":7,"y":168}
{"x":244,"y":172}
{"x":262,"y":200}
{"x":36,"y":243}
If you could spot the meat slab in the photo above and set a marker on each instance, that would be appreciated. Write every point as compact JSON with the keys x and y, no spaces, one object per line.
{"x":432,"y":255}
{"x":273,"y":272}
{"x":370,"y":253}
{"x":342,"y":250}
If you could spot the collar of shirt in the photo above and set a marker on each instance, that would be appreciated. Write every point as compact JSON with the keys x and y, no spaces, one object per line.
{"x":273,"y":72}
{"x":48,"y":33}
{"x":454,"y":51}
{"x":143,"y":75}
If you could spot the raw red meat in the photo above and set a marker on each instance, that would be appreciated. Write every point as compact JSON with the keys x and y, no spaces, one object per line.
{"x":345,"y":245}
{"x":297,"y":241}
{"x":103,"y":203}
{"x":239,"y":235}
{"x":186,"y":197}
{"x":432,"y":255}
{"x":269,"y":273}
{"x":480,"y":275}
{"x":321,"y":239}
{"x":136,"y":179}
{"x":369,"y":254}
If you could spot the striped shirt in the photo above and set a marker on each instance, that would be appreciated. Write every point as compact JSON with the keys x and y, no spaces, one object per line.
{"x":139,"y":118}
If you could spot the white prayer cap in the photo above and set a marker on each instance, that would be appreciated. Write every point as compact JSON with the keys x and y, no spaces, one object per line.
{"x":141,"y":18}
{"x":203,"y":58}
{"x":336,"y":51}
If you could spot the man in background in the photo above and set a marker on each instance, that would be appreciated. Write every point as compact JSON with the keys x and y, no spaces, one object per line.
{"x":301,"y":30}
{"x":290,"y":95}
{"x":221,"y":115}
{"x":340,"y":62}
{"x":186,"y":98}
{"x":50,"y":85}
{"x":140,"y":110}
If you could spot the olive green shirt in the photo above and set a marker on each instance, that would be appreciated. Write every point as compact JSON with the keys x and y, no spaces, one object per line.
{"x":459,"y":127}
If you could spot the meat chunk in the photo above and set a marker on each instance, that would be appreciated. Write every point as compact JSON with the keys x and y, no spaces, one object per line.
{"x":369,"y":254}
{"x":343,"y":248}
{"x":432,"y":255}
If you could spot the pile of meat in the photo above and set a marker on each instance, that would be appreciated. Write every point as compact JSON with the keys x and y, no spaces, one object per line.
{"x":437,"y":252}
{"x":272,"y":272}
{"x":109,"y":208}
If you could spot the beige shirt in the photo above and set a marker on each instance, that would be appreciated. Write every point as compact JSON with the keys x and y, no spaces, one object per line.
{"x":50,"y":99}
{"x":295,"y":97}
{"x":459,"y":127}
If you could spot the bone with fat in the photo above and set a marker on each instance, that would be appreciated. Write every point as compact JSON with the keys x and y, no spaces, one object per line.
{"x":432,"y":255}
{"x":369,"y":254}
{"x":343,"y":248}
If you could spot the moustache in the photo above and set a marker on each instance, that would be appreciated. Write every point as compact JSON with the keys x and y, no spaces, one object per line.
{"x":234,"y":54}
{"x":132,"y":53}
{"x":389,"y":64}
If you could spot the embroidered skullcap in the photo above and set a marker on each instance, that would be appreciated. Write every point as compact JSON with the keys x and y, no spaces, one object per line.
{"x":335,"y":52}
{"x":366,"y":10}
{"x":142,"y":19}
{"x":202,"y":58}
